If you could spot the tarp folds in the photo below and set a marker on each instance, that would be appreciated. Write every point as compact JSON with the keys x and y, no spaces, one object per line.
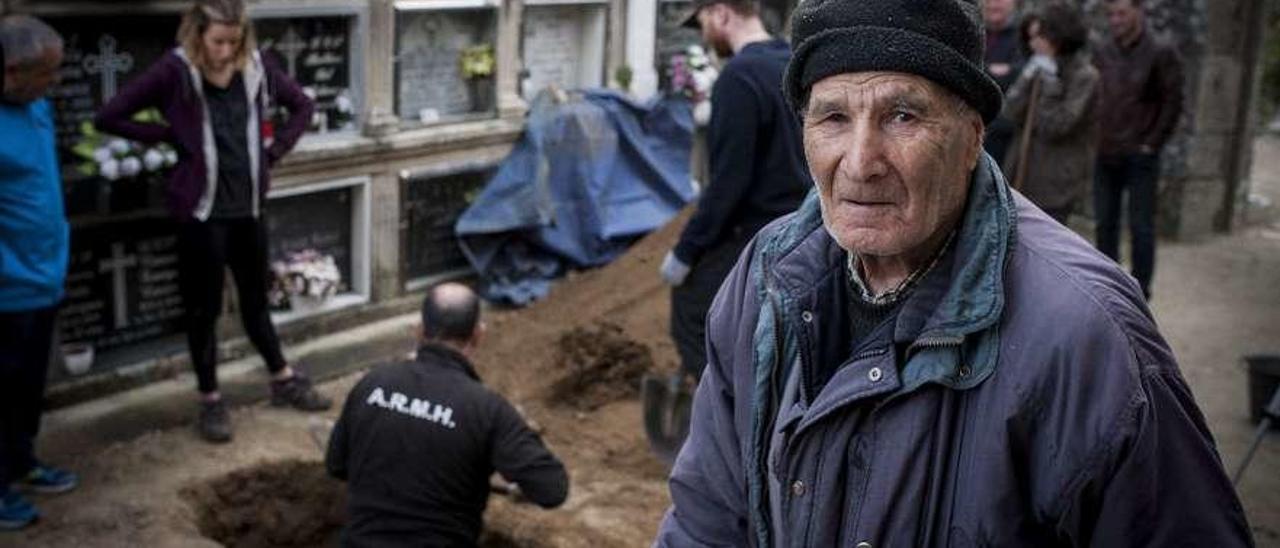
{"x":587,"y":178}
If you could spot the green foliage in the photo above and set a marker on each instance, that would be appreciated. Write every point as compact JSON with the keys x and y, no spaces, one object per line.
{"x":477,"y":61}
{"x":623,"y":76}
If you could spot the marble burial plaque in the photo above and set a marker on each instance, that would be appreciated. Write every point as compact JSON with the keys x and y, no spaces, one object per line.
{"x":432,"y":206}
{"x":122,"y":284}
{"x":429,"y":82}
{"x":563,"y":46}
{"x":316,"y":52}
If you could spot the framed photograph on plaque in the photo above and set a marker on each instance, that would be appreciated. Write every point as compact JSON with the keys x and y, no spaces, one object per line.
{"x":446,"y":62}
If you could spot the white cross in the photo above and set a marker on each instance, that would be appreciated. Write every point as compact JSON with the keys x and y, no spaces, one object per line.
{"x":108,"y":63}
{"x":290,"y":46}
{"x":116,"y":265}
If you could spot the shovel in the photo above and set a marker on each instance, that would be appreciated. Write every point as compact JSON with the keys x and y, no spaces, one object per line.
{"x":1270,"y":413}
{"x":668,"y":399}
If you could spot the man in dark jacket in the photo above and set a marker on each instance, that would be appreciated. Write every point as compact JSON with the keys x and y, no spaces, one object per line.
{"x":919,"y":356}
{"x":1003,"y":60}
{"x":1140,"y":106}
{"x":757,"y":165}
{"x":418,"y":441}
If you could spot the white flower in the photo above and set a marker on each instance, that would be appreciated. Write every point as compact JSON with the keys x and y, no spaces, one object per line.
{"x":153,"y":160}
{"x":102,"y":154}
{"x":118,"y":146}
{"x":696,"y":50}
{"x":343,"y":103}
{"x":130,"y":166}
{"x":703,"y":80}
{"x":109,"y":169}
{"x":310,"y":92}
{"x":170,"y":158}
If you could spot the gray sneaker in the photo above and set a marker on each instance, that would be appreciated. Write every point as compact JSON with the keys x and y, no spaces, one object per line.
{"x":214,"y":423}
{"x":297,"y":392}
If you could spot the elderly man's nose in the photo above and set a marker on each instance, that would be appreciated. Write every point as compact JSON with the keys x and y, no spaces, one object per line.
{"x":865,"y":160}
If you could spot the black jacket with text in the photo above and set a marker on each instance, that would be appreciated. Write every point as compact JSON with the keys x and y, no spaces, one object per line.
{"x":417,"y":443}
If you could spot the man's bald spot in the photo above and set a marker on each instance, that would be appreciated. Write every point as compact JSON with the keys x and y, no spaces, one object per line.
{"x":450,"y":311}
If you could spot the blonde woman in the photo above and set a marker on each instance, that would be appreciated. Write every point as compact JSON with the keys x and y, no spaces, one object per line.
{"x":215,"y":90}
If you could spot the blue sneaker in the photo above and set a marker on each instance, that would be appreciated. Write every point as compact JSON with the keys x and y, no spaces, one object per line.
{"x":15,"y":511}
{"x":48,"y":480}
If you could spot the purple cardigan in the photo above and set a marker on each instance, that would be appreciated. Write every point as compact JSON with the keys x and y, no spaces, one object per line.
{"x":172,"y":85}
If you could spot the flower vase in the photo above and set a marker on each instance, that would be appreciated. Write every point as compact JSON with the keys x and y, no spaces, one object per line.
{"x":480,"y":91}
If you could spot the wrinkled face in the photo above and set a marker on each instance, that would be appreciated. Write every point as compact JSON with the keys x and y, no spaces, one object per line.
{"x":996,"y":13}
{"x":28,"y":83}
{"x":1124,"y":18}
{"x":712,"y":20}
{"x":891,"y":155}
{"x":221,"y":43}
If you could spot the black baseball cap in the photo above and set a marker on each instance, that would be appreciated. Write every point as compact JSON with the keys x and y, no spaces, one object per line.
{"x":690,"y":19}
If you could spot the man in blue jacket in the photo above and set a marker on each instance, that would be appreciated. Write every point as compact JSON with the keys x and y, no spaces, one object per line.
{"x":33,"y":260}
{"x":921,"y":357}
{"x":757,"y":170}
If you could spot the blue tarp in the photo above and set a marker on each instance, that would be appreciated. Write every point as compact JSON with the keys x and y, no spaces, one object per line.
{"x":586,"y":179}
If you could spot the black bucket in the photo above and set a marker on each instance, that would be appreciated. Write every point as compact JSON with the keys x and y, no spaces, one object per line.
{"x":1264,"y":377}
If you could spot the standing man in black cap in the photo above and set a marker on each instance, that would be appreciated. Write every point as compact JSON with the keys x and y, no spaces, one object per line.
{"x":757,"y":165}
{"x":919,"y":356}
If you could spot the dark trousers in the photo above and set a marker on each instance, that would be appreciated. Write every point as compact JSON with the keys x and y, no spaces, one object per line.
{"x":691,"y":300}
{"x":1137,"y":174}
{"x":206,"y":249}
{"x":25,"y":341}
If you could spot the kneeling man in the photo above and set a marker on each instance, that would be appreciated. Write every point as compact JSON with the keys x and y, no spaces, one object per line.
{"x":418,"y":441}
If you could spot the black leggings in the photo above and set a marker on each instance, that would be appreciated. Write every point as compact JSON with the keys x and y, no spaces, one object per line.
{"x":205,"y":250}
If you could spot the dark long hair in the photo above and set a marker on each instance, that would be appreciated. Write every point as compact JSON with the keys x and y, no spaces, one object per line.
{"x":1061,"y":24}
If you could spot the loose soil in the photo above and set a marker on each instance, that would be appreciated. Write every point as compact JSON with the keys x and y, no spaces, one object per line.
{"x":601,"y":365}
{"x":287,"y":504}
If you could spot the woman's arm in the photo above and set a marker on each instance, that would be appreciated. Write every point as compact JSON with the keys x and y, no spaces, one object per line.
{"x":145,"y":91}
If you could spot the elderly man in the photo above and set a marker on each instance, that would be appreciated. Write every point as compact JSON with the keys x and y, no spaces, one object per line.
{"x":418,"y":441}
{"x":33,"y":260}
{"x":920,"y":357}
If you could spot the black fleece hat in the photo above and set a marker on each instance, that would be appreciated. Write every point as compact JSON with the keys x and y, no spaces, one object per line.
{"x":941,"y":40}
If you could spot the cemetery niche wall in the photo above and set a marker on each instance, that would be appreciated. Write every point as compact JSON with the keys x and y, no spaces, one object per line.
{"x":563,"y":46}
{"x":446,"y":63}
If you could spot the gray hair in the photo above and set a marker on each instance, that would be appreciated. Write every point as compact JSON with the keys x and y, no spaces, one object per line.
{"x":25,"y":40}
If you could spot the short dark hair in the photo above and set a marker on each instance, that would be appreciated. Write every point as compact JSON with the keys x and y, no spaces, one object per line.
{"x":450,"y":312}
{"x":1061,"y":24}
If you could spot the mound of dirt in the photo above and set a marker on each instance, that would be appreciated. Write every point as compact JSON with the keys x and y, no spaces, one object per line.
{"x":602,"y":365}
{"x":278,"y":504}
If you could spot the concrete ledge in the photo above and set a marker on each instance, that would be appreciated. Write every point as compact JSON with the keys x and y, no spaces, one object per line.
{"x":172,"y":402}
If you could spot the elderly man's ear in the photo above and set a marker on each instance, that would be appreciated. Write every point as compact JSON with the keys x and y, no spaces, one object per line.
{"x":979,"y":134}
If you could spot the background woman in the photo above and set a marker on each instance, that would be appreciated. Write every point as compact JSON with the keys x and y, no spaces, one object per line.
{"x":1061,"y":151}
{"x":216,"y":90}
